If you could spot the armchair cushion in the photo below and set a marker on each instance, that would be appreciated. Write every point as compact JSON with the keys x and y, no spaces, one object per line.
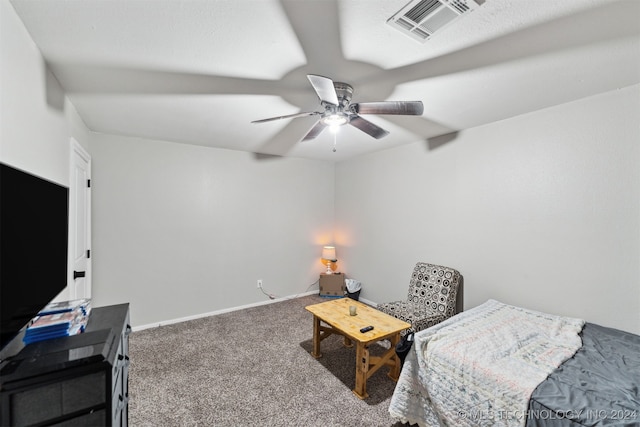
{"x":420,"y":316}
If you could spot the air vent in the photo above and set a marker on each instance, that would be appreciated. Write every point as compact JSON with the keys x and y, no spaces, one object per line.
{"x":421,"y":18}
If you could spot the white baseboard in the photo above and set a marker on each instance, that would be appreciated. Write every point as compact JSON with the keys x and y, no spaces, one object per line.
{"x":368,"y":302}
{"x":225,"y":310}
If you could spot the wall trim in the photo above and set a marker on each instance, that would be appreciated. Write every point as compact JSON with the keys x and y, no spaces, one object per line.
{"x":215,"y":313}
{"x":229,"y":310}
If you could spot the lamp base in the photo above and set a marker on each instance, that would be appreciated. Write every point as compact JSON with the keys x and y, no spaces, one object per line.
{"x":329,"y":270}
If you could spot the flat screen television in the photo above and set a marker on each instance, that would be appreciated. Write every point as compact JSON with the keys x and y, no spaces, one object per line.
{"x":34,"y":228}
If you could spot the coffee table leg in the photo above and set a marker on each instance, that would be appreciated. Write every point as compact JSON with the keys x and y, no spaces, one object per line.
{"x":362,"y":367}
{"x":394,"y":372}
{"x":316,"y":338}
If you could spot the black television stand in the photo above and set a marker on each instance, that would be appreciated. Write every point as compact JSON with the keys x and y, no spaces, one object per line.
{"x":72,"y":381}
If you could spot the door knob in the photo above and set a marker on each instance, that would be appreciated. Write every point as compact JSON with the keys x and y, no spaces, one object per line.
{"x":77,"y":274}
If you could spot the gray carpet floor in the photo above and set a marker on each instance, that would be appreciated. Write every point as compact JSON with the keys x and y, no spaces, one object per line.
{"x":250,"y":367}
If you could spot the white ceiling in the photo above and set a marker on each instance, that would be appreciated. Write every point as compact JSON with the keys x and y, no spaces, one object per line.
{"x":199,"y":71}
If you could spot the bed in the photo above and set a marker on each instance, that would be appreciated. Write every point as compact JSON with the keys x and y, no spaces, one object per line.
{"x":501,"y":365}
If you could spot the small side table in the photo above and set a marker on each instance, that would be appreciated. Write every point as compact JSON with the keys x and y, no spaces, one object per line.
{"x":332,"y":285}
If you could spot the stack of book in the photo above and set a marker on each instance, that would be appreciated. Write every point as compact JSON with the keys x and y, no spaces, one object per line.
{"x":58,"y":319}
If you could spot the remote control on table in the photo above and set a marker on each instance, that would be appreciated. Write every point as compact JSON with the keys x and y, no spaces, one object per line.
{"x":366,"y":329}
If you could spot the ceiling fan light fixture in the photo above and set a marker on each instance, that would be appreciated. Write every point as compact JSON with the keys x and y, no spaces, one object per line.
{"x":335,"y":120}
{"x":334,"y":129}
{"x":335,"y":98}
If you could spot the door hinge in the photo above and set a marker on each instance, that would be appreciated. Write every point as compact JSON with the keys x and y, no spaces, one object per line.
{"x":88,"y":253}
{"x":89,"y":183}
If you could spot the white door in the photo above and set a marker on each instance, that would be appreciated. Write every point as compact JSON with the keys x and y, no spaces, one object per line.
{"x":80,"y":222}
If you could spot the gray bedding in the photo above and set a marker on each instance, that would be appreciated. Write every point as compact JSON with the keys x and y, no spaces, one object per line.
{"x":598,"y":386}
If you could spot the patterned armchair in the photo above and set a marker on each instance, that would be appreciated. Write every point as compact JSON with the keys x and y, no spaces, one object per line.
{"x":431,"y":299}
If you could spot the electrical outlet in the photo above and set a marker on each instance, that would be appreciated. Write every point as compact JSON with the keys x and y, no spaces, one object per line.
{"x":259,"y":283}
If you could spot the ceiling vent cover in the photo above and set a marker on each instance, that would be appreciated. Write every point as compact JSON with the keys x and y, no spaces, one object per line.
{"x":421,"y":18}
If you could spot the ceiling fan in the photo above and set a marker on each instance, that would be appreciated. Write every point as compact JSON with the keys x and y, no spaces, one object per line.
{"x":335,"y":97}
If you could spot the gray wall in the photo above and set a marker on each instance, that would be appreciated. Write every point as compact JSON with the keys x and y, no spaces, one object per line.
{"x":37,"y":122}
{"x":181,"y":230}
{"x":541,"y":210}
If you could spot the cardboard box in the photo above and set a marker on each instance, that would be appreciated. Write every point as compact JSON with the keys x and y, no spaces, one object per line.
{"x":332,"y":285}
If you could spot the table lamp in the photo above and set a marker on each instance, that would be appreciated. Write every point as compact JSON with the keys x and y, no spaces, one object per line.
{"x":329,"y":256}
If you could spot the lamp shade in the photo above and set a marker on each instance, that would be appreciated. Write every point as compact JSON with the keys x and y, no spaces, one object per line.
{"x":329,"y":253}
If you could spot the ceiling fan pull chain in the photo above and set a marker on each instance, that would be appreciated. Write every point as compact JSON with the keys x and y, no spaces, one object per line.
{"x":335,"y":137}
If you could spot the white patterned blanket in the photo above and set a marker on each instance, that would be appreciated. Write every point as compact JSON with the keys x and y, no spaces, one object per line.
{"x":480,"y":367}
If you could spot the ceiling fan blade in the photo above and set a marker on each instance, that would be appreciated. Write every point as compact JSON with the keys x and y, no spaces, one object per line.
{"x":289,"y":116}
{"x":324,"y":88}
{"x":314,"y":131}
{"x":367,"y":127}
{"x":408,"y":108}
{"x":316,"y":25}
{"x":284,"y":139}
{"x":81,"y":78}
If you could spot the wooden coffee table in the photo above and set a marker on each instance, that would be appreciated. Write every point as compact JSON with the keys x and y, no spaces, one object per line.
{"x":335,"y":313}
